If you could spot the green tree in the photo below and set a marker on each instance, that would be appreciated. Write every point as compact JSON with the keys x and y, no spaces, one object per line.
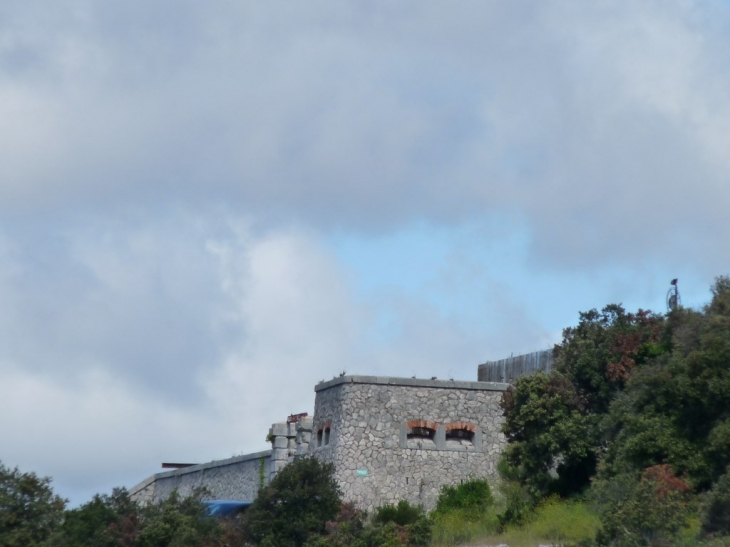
{"x":29,"y":510}
{"x":716,"y":508}
{"x":105,"y":521}
{"x":296,"y":504}
{"x":552,"y":438}
{"x":677,"y":409}
{"x":553,"y":421}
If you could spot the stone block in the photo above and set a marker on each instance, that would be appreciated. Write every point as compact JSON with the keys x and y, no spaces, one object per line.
{"x":292,"y":430}
{"x":305,"y":424}
{"x":279,"y":429}
{"x":277,"y":465}
{"x":280,"y":442}
{"x":279,"y":454}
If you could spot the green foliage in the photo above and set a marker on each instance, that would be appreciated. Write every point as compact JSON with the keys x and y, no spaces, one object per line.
{"x":459,"y":526}
{"x":105,"y":521}
{"x":117,"y":521}
{"x":403,"y":513}
{"x":633,"y":399}
{"x":294,"y":505}
{"x":716,"y":508}
{"x":352,"y":528}
{"x":599,"y":354}
{"x":474,"y":495}
{"x":677,"y":410}
{"x":556,"y":522}
{"x":177,"y":522}
{"x":515,"y":500}
{"x":563,"y":522}
{"x":29,"y":510}
{"x":650,"y":509}
{"x":552,"y":436}
{"x":553,"y":421}
{"x":347,"y":529}
{"x":262,"y":476}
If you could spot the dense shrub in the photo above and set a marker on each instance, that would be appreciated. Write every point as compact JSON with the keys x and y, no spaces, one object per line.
{"x":102,"y":522}
{"x":401,"y":525}
{"x":296,"y":504}
{"x":716,"y":508}
{"x":117,"y":521}
{"x":473,"y":494}
{"x":553,"y":421}
{"x":178,"y":522}
{"x":403,"y":513}
{"x":647,"y":510}
{"x":405,"y":521}
{"x":517,"y":504}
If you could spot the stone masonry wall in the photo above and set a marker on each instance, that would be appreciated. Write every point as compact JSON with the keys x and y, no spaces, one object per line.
{"x":236,"y":478}
{"x":362,"y":425}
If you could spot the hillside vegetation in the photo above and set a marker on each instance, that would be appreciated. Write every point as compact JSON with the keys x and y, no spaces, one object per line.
{"x":635,"y":419}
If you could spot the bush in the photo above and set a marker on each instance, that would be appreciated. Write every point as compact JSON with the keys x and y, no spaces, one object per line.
{"x":296,"y":504}
{"x":647,"y":510}
{"x":402,"y":514}
{"x":716,"y":508}
{"x":517,"y":504}
{"x":562,"y":521}
{"x":351,"y":529}
{"x":473,"y":494}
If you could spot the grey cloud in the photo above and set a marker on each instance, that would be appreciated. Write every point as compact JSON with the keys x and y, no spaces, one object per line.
{"x":602,"y":125}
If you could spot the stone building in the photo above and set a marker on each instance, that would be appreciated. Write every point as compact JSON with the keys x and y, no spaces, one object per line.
{"x":401,"y":438}
{"x":388,"y":438}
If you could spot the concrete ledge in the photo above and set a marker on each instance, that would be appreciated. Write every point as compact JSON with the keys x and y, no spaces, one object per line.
{"x":411,"y":382}
{"x":198,"y":468}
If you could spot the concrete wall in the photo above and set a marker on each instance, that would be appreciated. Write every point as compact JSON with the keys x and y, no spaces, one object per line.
{"x":236,"y":478}
{"x":508,"y":370}
{"x":376,"y":462}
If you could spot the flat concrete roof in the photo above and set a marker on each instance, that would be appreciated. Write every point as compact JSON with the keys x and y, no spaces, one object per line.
{"x":411,"y":382}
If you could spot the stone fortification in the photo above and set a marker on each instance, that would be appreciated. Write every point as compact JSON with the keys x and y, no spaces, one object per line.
{"x":289,"y":440}
{"x":400,"y":438}
{"x":509,"y":369}
{"x":236,"y":478}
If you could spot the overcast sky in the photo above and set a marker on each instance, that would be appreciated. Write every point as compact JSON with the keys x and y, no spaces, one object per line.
{"x":207,"y":207}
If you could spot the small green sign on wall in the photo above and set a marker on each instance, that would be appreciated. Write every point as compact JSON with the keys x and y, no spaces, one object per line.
{"x":361,"y":472}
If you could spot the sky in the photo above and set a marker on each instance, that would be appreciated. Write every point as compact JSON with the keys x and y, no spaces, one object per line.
{"x":208,"y":207}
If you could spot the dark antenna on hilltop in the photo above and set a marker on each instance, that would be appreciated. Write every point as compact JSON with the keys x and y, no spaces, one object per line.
{"x":673,"y":298}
